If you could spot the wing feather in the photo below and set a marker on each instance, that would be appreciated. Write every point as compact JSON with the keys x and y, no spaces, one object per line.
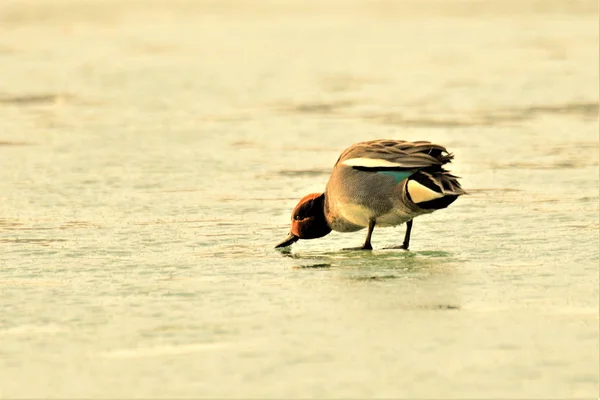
{"x":400,"y":153}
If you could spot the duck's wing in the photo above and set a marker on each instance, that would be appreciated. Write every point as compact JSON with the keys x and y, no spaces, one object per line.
{"x":394,"y":155}
{"x":421,"y":161}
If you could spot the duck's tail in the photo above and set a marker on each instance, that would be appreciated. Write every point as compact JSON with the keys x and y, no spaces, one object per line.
{"x":433,"y":188}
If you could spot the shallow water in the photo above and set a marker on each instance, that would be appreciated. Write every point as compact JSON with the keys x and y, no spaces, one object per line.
{"x":151,"y":153}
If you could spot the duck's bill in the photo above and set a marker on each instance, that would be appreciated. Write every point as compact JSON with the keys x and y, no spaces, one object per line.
{"x":288,"y":241}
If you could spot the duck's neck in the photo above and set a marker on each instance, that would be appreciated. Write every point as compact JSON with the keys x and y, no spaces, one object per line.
{"x":316,"y":225}
{"x":326,"y":209}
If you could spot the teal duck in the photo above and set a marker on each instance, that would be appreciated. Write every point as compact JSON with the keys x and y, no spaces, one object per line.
{"x":377,"y":183}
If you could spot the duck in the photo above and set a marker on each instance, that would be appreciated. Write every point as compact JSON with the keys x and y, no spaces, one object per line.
{"x":377,"y":183}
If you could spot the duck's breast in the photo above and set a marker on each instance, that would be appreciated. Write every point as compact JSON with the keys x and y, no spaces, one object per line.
{"x":355,"y":197}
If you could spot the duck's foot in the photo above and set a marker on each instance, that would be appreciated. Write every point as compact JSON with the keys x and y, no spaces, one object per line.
{"x":406,"y":241}
{"x":365,"y":247}
{"x":401,"y":247}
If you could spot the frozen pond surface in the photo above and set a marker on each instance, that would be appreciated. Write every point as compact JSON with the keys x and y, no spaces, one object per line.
{"x":151,"y":154}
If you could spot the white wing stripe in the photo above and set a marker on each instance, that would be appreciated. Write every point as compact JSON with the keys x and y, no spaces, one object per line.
{"x":369,"y":162}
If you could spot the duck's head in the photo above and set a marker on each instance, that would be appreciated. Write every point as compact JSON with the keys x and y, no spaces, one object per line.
{"x":308,"y":220}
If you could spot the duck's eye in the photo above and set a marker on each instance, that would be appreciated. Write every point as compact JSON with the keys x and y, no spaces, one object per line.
{"x":298,"y":218}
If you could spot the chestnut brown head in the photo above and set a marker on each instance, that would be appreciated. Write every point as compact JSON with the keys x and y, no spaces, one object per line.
{"x":308,"y":220}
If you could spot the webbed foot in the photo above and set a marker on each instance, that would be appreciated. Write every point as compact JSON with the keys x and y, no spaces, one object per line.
{"x":401,"y":247}
{"x":365,"y":247}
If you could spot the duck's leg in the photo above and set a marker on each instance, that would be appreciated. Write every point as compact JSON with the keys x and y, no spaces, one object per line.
{"x":407,"y":235}
{"x":406,"y":241}
{"x":367,"y":245}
